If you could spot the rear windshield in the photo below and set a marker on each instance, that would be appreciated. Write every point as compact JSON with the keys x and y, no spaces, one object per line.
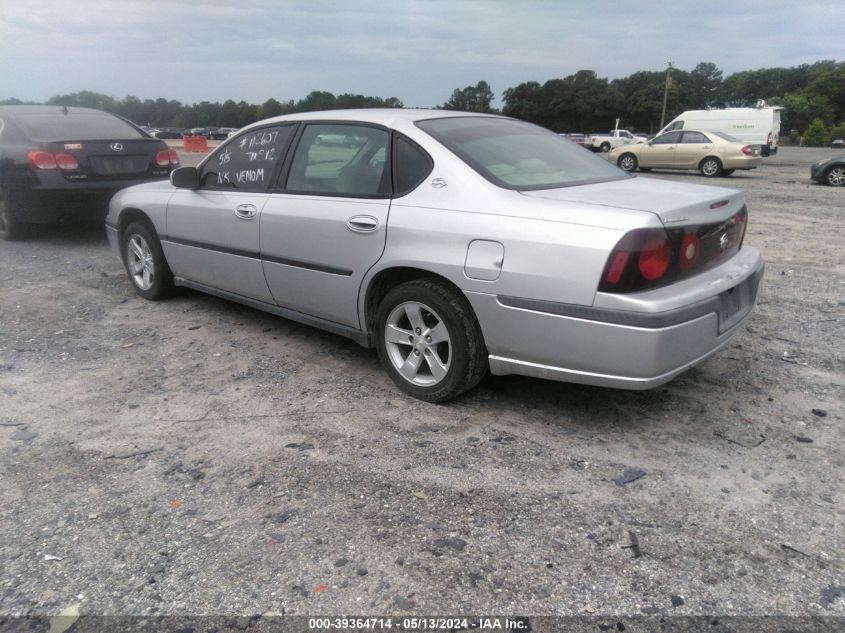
{"x":517,"y":155}
{"x":74,"y":126}
{"x":726,"y":137}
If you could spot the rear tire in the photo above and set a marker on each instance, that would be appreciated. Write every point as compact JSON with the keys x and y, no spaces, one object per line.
{"x":835,"y":176}
{"x":627,"y":162}
{"x":429,"y":341}
{"x":11,"y":228}
{"x":710,"y":167}
{"x":145,"y":263}
{"x":605,"y":147}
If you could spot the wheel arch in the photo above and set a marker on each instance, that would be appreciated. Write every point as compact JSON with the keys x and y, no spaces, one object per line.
{"x":128,"y":216}
{"x":384,"y":281}
{"x":709,"y":157}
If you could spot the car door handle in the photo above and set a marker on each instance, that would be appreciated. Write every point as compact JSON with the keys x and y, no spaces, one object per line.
{"x":362,"y":223}
{"x":245,"y":211}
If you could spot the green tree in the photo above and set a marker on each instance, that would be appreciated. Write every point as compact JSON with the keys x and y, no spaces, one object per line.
{"x":816,"y":134}
{"x":269,"y":108}
{"x":316,"y":101}
{"x":706,"y":85}
{"x":475,"y":98}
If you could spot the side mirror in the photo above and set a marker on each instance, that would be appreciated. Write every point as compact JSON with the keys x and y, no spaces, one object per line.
{"x":185,"y":178}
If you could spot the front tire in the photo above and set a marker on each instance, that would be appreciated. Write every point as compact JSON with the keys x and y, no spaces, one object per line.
{"x":835,"y":176}
{"x":145,"y":263}
{"x":429,"y":341}
{"x":627,"y":162}
{"x":710,"y":167}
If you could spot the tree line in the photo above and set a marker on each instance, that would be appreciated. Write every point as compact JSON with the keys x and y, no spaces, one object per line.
{"x":170,"y":113}
{"x":812,"y":95}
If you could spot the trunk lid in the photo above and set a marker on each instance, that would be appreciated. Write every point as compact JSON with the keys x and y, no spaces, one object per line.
{"x":676,"y":204}
{"x":112,"y":159}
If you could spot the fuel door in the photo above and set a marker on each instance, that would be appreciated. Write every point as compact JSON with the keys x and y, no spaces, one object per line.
{"x":484,"y":260}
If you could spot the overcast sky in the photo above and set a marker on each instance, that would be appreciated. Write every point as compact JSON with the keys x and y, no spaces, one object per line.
{"x":418,"y":51}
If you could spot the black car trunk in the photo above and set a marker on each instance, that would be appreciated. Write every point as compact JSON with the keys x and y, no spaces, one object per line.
{"x":110,"y":160}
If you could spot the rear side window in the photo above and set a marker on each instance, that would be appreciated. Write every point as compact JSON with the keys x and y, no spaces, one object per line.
{"x":667,"y":139}
{"x":695,"y":137}
{"x":517,"y":155}
{"x":247,"y":162}
{"x":727,"y":137}
{"x":411,"y":165}
{"x":340,"y":159}
{"x":76,"y":125}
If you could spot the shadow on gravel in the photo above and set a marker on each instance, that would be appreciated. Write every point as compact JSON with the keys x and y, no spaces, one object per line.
{"x":66,"y":234}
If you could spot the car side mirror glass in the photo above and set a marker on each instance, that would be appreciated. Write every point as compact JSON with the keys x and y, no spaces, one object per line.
{"x":185,"y":178}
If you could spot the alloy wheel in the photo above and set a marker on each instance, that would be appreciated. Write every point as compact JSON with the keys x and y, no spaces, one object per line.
{"x":418,"y":343}
{"x":139,"y":259}
{"x":836,"y":176}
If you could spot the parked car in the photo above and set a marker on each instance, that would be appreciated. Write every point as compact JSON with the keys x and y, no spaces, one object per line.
{"x":830,"y":171}
{"x":599,"y":142}
{"x":837,"y":144}
{"x":752,"y":126}
{"x":505,"y":247}
{"x":576,"y":138}
{"x":221,"y":133}
{"x":167,"y":132}
{"x":63,"y":164}
{"x":712,"y":153}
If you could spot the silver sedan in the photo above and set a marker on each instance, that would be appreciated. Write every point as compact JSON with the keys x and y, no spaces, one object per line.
{"x":453,"y":243}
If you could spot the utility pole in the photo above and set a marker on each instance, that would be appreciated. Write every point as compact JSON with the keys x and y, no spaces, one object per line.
{"x":666,"y":91}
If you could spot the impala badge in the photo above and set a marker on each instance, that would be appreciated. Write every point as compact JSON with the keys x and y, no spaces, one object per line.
{"x":723,"y":241}
{"x":438,"y":183}
{"x":118,"y":147}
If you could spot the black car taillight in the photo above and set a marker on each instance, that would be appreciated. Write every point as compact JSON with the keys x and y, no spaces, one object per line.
{"x":174,"y":157}
{"x":163,"y":158}
{"x":650,"y":258}
{"x":42,"y":159}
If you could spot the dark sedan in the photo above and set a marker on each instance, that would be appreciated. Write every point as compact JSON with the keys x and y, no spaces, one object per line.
{"x":830,"y":171}
{"x":61,"y":164}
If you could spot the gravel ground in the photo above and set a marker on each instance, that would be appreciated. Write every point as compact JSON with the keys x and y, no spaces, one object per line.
{"x":198,"y":457}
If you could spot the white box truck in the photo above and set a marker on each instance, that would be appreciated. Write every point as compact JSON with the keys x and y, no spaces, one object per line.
{"x":756,"y":126}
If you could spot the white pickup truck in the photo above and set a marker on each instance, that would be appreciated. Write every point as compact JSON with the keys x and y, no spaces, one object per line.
{"x":614,"y":138}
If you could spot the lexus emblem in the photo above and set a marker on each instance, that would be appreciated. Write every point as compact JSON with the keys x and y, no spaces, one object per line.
{"x":723,"y":241}
{"x":118,"y":147}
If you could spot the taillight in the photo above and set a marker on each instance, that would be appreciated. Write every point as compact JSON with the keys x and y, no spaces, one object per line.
{"x":163,"y":158}
{"x":741,"y":220}
{"x":649,"y":258}
{"x":39,"y":159}
{"x":689,"y":251}
{"x":66,"y":162}
{"x":174,"y":157}
{"x":769,"y":138}
{"x":654,"y":258}
{"x":748,"y":151}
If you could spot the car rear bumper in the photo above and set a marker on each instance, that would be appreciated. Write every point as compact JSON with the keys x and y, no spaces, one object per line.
{"x":55,"y":200}
{"x":744,"y":162}
{"x":617,"y":348}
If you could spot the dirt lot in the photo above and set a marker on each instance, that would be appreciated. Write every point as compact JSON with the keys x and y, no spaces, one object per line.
{"x":198,"y":457}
